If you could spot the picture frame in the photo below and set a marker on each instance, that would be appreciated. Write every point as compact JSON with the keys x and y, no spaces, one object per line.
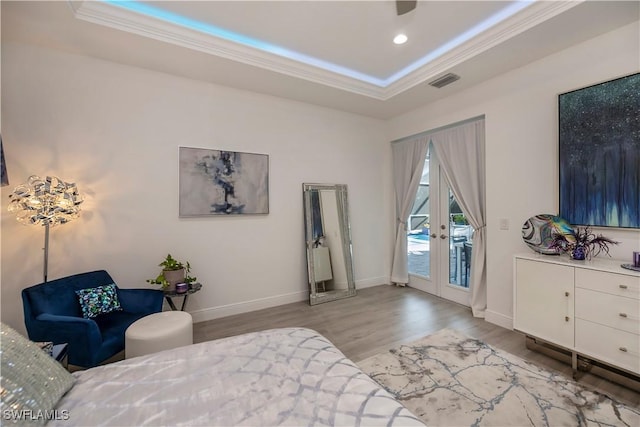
{"x":218,"y":182}
{"x":599,"y":154}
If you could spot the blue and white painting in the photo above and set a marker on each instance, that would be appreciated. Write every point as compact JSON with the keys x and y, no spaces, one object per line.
{"x":3,"y":166}
{"x":216,"y":182}
{"x":599,"y":140}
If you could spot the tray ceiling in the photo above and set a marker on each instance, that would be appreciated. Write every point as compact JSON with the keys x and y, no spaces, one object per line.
{"x":332,"y":53}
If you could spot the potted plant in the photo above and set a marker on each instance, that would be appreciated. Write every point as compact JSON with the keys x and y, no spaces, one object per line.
{"x":581,"y":243}
{"x":173,"y":271}
{"x":459,"y":219}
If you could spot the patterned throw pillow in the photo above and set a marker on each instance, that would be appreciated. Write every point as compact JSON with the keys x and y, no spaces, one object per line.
{"x":32,"y":382}
{"x":100,"y":300}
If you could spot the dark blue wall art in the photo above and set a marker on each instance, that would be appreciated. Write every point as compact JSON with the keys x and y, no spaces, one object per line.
{"x":316,"y":214}
{"x":3,"y":166}
{"x":599,"y":139}
{"x":216,"y":182}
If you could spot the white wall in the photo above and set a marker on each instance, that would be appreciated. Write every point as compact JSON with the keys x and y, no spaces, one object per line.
{"x":116,"y":130}
{"x":522,"y":145}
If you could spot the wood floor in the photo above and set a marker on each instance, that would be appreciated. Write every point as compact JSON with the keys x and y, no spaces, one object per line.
{"x":383,"y":317}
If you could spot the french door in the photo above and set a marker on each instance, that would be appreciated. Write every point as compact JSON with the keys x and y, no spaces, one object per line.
{"x":439,"y":238}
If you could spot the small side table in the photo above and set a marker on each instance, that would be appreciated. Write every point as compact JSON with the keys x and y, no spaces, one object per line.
{"x":169,"y":295}
{"x":61,"y":355}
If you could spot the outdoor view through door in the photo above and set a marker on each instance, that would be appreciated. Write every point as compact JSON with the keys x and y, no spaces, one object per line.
{"x":422,"y":231}
{"x":440,"y":240}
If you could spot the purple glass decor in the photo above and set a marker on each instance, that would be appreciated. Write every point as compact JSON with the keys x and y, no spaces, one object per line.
{"x":636,"y":259}
{"x":578,"y":253}
{"x":181,"y":288}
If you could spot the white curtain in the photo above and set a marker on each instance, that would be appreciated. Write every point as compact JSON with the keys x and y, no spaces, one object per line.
{"x":408,"y":162}
{"x":460,"y":151}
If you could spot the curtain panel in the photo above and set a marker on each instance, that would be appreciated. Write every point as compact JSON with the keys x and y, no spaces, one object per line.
{"x":461,"y":152}
{"x":408,"y":162}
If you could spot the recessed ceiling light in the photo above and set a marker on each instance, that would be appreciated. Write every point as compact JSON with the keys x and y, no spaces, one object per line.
{"x":400,"y":39}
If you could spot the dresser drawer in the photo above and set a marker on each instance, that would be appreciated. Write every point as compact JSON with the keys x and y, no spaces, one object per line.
{"x":609,"y":310}
{"x":616,"y":284}
{"x":606,"y":344}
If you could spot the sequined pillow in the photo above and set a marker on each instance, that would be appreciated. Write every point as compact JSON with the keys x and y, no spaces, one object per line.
{"x":100,"y":300}
{"x":32,"y":382}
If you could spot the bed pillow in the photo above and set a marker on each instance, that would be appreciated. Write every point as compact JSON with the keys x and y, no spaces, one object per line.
{"x":32,"y":382}
{"x":100,"y":300}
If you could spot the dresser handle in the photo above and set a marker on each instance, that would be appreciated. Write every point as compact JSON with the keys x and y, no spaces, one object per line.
{"x":566,"y":294}
{"x":623,"y":315}
{"x":566,"y":318}
{"x":623,"y":287}
{"x":623,"y":349}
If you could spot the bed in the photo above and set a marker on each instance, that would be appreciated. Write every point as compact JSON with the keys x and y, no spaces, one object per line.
{"x":290,"y":376}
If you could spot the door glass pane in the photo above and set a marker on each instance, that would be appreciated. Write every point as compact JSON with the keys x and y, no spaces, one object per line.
{"x":418,"y":244}
{"x":459,"y":245}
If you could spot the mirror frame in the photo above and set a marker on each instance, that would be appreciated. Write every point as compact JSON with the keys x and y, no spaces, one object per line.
{"x":345,"y":229}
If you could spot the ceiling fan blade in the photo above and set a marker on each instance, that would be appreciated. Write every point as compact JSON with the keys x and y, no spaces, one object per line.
{"x":405,"y":6}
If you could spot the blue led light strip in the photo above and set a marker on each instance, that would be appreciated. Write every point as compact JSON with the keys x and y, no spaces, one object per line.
{"x":174,"y":18}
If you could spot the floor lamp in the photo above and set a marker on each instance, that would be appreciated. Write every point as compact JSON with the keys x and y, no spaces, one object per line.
{"x":47,"y":202}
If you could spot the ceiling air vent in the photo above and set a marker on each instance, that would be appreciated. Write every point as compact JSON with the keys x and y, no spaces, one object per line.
{"x":444,"y":80}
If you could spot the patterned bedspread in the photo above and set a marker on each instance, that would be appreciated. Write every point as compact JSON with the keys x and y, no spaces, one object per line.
{"x":290,"y":376}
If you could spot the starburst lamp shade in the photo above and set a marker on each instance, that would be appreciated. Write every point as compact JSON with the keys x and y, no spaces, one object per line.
{"x":47,"y":202}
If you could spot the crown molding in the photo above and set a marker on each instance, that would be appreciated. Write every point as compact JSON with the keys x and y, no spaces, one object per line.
{"x":105,"y":14}
{"x":537,"y":13}
{"x":109,"y":15}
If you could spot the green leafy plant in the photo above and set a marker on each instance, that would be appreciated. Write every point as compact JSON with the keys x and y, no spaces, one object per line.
{"x":459,"y":219}
{"x":172,"y":264}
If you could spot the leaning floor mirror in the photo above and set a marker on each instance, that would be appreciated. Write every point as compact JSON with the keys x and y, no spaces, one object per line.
{"x":328,"y":242}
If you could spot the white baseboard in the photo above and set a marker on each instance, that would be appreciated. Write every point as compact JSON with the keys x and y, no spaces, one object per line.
{"x":268,"y":302}
{"x":368,"y":283}
{"x":498,"y":319}
{"x":247,"y":306}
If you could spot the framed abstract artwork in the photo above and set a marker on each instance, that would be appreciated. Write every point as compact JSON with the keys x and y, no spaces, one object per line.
{"x":599,"y":144}
{"x":3,"y":166}
{"x":216,"y":182}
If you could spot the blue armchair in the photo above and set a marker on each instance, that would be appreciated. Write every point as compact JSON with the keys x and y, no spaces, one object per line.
{"x":52,"y":312}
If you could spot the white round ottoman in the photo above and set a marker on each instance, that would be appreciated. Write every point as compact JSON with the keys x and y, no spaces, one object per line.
{"x":157,"y":332}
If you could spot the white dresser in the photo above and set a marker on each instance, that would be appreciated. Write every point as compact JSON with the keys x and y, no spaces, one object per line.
{"x":591,"y":308}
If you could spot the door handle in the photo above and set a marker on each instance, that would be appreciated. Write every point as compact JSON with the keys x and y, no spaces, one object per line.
{"x":443,"y":236}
